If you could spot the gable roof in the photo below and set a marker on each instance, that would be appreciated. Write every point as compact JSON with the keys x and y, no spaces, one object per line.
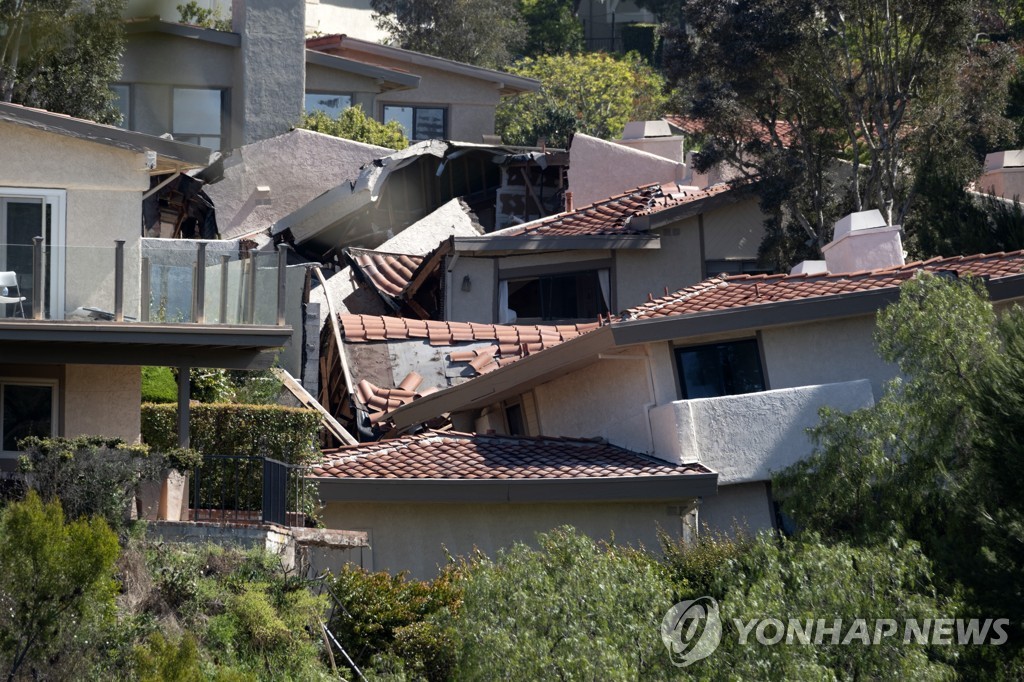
{"x":507,"y":83}
{"x":503,"y":469}
{"x":392,"y":78}
{"x":737,"y":291}
{"x":171,"y":155}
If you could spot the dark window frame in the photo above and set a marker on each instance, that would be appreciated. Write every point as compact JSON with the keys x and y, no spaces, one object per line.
{"x":318,"y":93}
{"x":25,"y":382}
{"x":413,"y":135}
{"x":730,"y":379}
{"x":225,"y":119}
{"x":541,"y":277}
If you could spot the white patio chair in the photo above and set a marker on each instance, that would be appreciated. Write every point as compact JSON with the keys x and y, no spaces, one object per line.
{"x":8,"y":285}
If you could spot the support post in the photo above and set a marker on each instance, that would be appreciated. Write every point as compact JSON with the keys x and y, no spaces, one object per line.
{"x":118,"y":280}
{"x":37,"y":278}
{"x":251,"y":286}
{"x":224,"y":260}
{"x":199,"y":314}
{"x":184,"y":416}
{"x":282,"y":282}
{"x":145,"y":293}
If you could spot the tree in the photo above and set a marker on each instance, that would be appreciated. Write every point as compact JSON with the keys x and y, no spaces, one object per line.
{"x":553,"y":27}
{"x":353,"y":124}
{"x":572,"y":609}
{"x":62,"y":55}
{"x":485,"y":33}
{"x":935,"y":460}
{"x":197,"y":15}
{"x":834,"y":104}
{"x":57,"y":576}
{"x":595,"y":94}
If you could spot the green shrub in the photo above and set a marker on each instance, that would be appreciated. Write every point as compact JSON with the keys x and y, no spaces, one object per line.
{"x":159,"y":660}
{"x":284,"y":433}
{"x":353,"y":124}
{"x":91,"y":475}
{"x":159,"y":385}
{"x":397,"y":625}
{"x":573,"y":609}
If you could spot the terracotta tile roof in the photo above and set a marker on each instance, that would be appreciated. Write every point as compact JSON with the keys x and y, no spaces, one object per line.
{"x":436,"y":455}
{"x":613,"y":216}
{"x":696,"y":126}
{"x":511,"y":341}
{"x":389,"y":272}
{"x":720,"y":293}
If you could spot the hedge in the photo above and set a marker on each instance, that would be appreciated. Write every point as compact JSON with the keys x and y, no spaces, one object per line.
{"x":287,"y":434}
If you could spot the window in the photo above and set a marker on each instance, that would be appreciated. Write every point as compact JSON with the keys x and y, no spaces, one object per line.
{"x":332,"y":105}
{"x":198,"y":116}
{"x":718,"y":369}
{"x":514,"y":419}
{"x":123,"y":99}
{"x":419,"y":123}
{"x":24,"y":215}
{"x":572,"y":296}
{"x":27,"y":408}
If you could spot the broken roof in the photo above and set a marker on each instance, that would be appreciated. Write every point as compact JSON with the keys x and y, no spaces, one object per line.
{"x":720,"y":305}
{"x":507,"y":83}
{"x":399,"y":278}
{"x":597,"y":470}
{"x":621,"y":221}
{"x":171,"y":155}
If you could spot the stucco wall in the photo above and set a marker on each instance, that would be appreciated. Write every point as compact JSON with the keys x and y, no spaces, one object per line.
{"x":103,"y":198}
{"x":825,"y":352}
{"x":748,"y":437}
{"x":322,"y":79}
{"x":745,"y":507}
{"x":675,"y":265}
{"x":477,"y":304}
{"x":412,"y":536}
{"x":599,"y":169}
{"x":103,"y":400}
{"x":733,"y":231}
{"x":616,"y":395}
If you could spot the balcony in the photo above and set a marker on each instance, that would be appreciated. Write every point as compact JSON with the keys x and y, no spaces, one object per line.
{"x":747,"y":437}
{"x":151,"y":281}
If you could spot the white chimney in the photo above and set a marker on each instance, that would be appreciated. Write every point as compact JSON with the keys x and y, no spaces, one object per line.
{"x":653,"y":137}
{"x":1004,"y":174}
{"x":863,"y":241}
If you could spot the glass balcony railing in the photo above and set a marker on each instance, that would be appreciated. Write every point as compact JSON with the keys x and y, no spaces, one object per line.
{"x":152,"y":281}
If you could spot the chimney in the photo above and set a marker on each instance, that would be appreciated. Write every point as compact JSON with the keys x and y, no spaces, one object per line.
{"x":863,"y":241}
{"x":1004,"y":174}
{"x":568,"y":202}
{"x":653,"y":137}
{"x":270,"y":68}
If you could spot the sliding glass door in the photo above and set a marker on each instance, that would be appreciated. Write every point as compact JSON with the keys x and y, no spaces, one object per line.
{"x":24,"y":215}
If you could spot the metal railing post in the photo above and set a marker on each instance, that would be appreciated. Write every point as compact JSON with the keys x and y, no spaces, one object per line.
{"x":37,"y":278}
{"x":224,"y":260}
{"x":199,"y":312}
{"x":282,"y":282}
{"x":251,"y":287}
{"x":145,"y":293}
{"x":118,"y":280}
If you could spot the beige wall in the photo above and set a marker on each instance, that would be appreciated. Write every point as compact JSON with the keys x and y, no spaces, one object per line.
{"x":675,"y":265}
{"x":733,"y":231}
{"x":745,"y":507}
{"x":412,"y":537}
{"x":103,"y":400}
{"x":322,"y":79}
{"x":103,"y":193}
{"x":477,"y":304}
{"x":825,"y":352}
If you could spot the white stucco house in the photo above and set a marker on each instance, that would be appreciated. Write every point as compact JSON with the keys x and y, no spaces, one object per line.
{"x":71,"y":197}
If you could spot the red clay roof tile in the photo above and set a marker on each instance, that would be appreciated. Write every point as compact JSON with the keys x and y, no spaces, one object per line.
{"x":720,"y":293}
{"x":461,"y":456}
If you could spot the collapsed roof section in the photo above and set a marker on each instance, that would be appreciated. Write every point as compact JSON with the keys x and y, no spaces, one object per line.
{"x":500,"y":185}
{"x":407,"y":284}
{"x":386,"y":362}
